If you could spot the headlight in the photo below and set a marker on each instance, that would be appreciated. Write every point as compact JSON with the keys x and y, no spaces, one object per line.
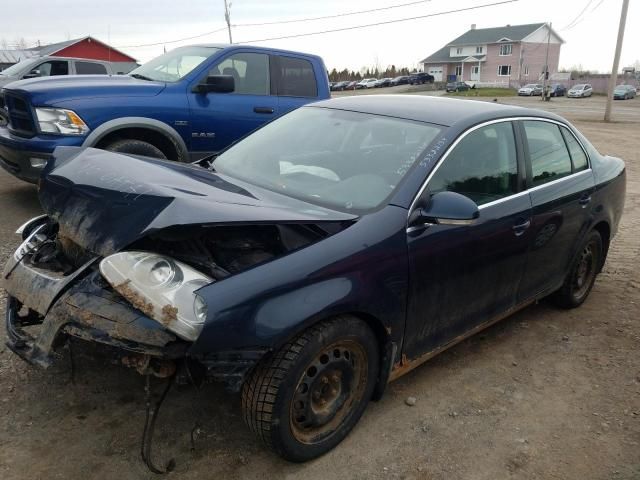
{"x":161,"y":287}
{"x":60,"y":121}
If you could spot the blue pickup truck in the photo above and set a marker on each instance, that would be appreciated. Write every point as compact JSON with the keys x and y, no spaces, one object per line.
{"x":184,"y":105}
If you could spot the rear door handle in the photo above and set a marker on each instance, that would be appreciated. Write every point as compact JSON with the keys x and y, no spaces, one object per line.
{"x":521,"y":227}
{"x":584,"y":201}
{"x":267,"y":110}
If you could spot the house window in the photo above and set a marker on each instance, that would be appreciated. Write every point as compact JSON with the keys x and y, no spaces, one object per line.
{"x":506,"y":49}
{"x":504,"y":71}
{"x":475,"y":70}
{"x":479,"y":49}
{"x":525,"y":70}
{"x":459,"y":71}
{"x":459,"y":51}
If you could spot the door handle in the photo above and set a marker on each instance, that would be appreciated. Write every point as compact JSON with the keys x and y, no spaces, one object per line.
{"x":521,"y":227}
{"x":584,"y":201}
{"x":268,"y":110}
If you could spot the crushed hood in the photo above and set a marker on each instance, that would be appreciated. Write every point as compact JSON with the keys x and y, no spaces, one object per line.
{"x":51,"y":90}
{"x":104,"y":201}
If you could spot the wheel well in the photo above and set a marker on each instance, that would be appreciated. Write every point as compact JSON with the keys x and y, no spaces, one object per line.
{"x":154,"y":137}
{"x":605,"y":233}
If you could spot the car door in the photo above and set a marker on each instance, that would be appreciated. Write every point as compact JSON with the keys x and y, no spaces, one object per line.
{"x":49,"y":69}
{"x":295,"y":82}
{"x":219,"y":119}
{"x":561,"y":184}
{"x":462,"y":276}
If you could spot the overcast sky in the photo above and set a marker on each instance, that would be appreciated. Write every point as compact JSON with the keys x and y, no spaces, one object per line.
{"x":590,"y":42}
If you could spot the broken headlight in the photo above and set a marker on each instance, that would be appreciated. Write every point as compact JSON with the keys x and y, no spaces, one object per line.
{"x":161,"y":287}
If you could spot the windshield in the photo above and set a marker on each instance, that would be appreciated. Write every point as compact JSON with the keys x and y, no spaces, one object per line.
{"x":344,"y":160}
{"x":578,"y":87}
{"x":530,"y":85}
{"x":173,"y":65}
{"x":18,"y":67}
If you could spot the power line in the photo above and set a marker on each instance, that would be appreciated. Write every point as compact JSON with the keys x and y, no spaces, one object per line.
{"x":174,"y":41}
{"x":574,"y":22}
{"x":355,"y":27}
{"x":346,"y":14}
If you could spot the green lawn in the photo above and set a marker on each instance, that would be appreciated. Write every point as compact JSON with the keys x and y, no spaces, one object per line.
{"x":486,"y":92}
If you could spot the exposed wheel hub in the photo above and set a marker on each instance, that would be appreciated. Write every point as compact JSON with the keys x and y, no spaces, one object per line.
{"x":327,"y":389}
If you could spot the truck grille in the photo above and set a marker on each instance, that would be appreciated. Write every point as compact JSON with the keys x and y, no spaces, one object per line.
{"x":20,"y":116}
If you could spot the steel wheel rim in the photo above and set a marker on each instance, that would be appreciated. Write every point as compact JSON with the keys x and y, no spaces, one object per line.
{"x":330,"y":386}
{"x":585,"y":272}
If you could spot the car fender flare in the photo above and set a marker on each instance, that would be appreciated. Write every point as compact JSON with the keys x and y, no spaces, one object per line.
{"x":137,"y":122}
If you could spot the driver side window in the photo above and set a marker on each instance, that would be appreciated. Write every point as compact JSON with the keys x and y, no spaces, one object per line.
{"x":483,"y":166}
{"x":53,"y":68}
{"x":250,"y":72}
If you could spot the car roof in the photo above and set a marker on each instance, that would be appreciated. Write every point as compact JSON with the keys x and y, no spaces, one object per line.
{"x":235,"y":46}
{"x":438,"y":110}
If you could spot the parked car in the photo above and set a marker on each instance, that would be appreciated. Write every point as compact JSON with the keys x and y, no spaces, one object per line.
{"x":369,"y":83}
{"x":624,"y":92}
{"x":383,"y":82}
{"x":338,"y":86}
{"x":401,"y":80}
{"x":364,"y":82}
{"x":351,"y":85}
{"x":456,"y":87}
{"x":420,"y":78}
{"x":324,"y":255}
{"x":183,"y":105}
{"x":558,"y":90}
{"x":581,"y":90}
{"x":531,"y":89}
{"x":37,"y":67}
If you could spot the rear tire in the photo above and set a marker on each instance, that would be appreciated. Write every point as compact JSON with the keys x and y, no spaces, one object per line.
{"x":136,"y":147}
{"x":582,"y":274}
{"x":306,"y":398}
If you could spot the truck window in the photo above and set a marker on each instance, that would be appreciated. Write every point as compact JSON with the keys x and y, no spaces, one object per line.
{"x":296,"y":78}
{"x":50,"y":69}
{"x":90,"y":68}
{"x":249,"y":70}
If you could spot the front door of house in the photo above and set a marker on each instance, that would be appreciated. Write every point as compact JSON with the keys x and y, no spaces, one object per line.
{"x":475,"y":73}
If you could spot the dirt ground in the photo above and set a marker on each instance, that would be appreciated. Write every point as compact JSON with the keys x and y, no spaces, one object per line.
{"x":545,"y":394}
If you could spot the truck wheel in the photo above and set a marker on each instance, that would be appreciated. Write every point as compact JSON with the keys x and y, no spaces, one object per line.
{"x":582,"y":274}
{"x":306,"y":398}
{"x":135,"y":147}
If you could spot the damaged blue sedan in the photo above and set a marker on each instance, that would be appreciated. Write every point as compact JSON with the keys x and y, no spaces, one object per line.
{"x":326,"y":254}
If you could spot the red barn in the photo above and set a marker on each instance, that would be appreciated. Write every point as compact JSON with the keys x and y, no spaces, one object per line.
{"x":86,"y":47}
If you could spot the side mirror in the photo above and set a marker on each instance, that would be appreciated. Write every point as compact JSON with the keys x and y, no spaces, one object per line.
{"x":216,"y":84}
{"x":32,"y":74}
{"x":446,"y":208}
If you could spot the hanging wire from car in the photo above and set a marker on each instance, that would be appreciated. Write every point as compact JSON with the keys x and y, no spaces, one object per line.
{"x":149,"y":426}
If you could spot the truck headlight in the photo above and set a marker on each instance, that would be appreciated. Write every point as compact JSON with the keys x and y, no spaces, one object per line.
{"x":60,"y":121}
{"x":161,"y":287}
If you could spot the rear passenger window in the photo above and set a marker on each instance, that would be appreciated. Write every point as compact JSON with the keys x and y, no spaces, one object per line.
{"x":483,"y":166}
{"x":578,"y":156}
{"x":296,"y":78}
{"x":90,"y":68}
{"x":250,"y":72}
{"x":549,"y":156}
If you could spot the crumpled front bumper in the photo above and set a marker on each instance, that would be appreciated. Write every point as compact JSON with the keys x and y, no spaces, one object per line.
{"x":80,"y":305}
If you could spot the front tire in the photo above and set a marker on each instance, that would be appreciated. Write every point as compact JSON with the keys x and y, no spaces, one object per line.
{"x":136,"y":147}
{"x":306,"y":398}
{"x":582,"y":274}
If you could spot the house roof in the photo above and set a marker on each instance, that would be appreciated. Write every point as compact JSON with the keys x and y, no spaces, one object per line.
{"x":15,"y":56}
{"x":512,"y":33}
{"x":480,"y":36}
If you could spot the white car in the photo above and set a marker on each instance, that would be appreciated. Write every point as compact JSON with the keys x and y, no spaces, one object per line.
{"x":531,"y":89}
{"x":366,"y":83}
{"x":581,"y":90}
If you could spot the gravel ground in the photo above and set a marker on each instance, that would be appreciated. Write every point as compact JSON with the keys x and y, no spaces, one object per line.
{"x":544,"y":394}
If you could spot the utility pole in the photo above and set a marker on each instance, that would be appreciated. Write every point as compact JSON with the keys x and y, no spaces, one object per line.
{"x":227,"y":17}
{"x":616,"y":61}
{"x":546,"y":64}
